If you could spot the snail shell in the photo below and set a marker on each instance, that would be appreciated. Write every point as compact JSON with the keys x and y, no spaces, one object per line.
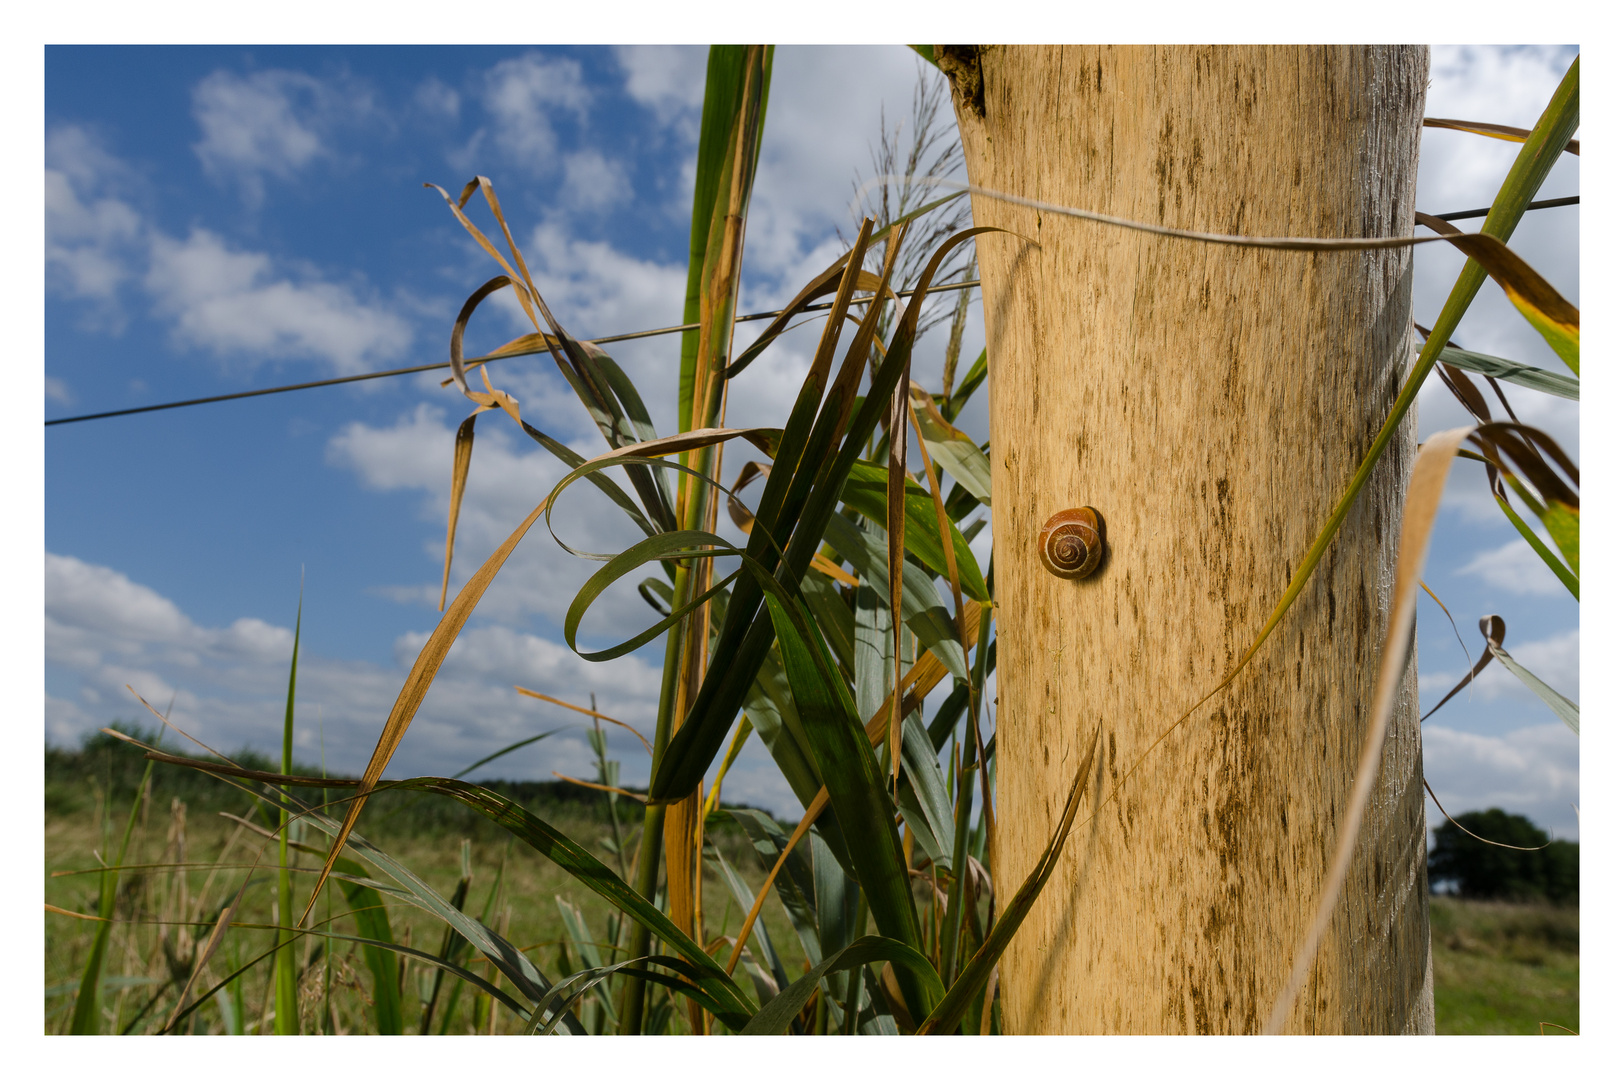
{"x":1070,"y":544}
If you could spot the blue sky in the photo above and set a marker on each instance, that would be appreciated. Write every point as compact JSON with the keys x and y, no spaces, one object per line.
{"x":221,"y":219}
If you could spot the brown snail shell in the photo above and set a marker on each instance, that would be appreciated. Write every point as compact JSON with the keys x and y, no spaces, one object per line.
{"x":1070,"y":543}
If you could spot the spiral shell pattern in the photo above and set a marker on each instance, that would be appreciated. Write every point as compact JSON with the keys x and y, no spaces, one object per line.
{"x":1070,"y":544}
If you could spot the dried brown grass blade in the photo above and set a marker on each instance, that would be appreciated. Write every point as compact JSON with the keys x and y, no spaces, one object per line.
{"x":480,"y":238}
{"x":462,"y":456}
{"x":1420,"y":508}
{"x":216,"y":936}
{"x":1497,"y":628}
{"x":824,"y":565}
{"x":602,"y":787}
{"x":417,"y":685}
{"x":1493,"y":131}
{"x":945,"y":528}
{"x":586,"y":712}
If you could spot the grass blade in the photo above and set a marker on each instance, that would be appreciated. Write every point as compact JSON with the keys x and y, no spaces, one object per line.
{"x":865,"y":492}
{"x":372,"y":925}
{"x":695,"y":745}
{"x":87,"y":1006}
{"x":856,"y":787}
{"x":1546,"y":382}
{"x":775,"y":1016}
{"x":1420,"y":507}
{"x":1493,"y":131}
{"x":979,"y":968}
{"x":1565,"y":710}
{"x":952,"y":449}
{"x":286,"y":972}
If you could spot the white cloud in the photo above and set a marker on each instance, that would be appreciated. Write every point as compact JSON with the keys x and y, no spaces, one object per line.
{"x":90,"y":233}
{"x":669,"y":79}
{"x":508,"y":478}
{"x":1532,"y":771}
{"x":437,"y":99}
{"x":219,"y":298}
{"x":229,"y":684}
{"x":269,"y":123}
{"x":521,"y":96}
{"x":593,"y":182}
{"x":58,"y":391}
{"x":230,"y":301}
{"x":1515,"y":568}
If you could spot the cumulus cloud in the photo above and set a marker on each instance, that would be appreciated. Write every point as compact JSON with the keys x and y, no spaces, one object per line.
{"x":269,"y":123}
{"x":91,"y":233}
{"x":228,"y":684}
{"x":521,"y":97}
{"x":593,"y":182}
{"x":234,"y":302}
{"x":1515,"y":568}
{"x":1532,"y":771}
{"x":437,"y":99}
{"x":216,"y":297}
{"x":669,"y":79}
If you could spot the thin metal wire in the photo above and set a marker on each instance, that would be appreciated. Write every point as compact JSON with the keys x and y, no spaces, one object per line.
{"x":436,"y":367}
{"x":1542,"y":204}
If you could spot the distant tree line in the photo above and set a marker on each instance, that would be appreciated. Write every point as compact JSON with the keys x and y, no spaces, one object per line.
{"x":1482,"y":871}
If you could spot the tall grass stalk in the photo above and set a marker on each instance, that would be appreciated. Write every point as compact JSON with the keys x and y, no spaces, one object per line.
{"x":287,"y":971}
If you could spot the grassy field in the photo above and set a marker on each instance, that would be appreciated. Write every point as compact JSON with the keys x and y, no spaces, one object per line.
{"x":1497,"y":968}
{"x":187,"y":860}
{"x":1502,"y":969}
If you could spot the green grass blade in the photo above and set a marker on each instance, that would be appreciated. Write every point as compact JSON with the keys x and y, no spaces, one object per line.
{"x":591,"y":958}
{"x":968,"y":985}
{"x":856,"y":786}
{"x":865,"y":492}
{"x":372,"y":925}
{"x":1565,"y":710}
{"x":286,"y":964}
{"x":774,"y":1017}
{"x":1567,"y":577}
{"x":451,"y":945}
{"x":87,"y":1006}
{"x":589,"y":871}
{"x":1534,"y":378}
{"x":744,"y":642}
{"x":922,"y":609}
{"x":953,"y":450}
{"x":724,"y":96}
{"x":794,"y":885}
{"x":925,"y":778}
{"x":967,"y":387}
{"x":744,"y":896}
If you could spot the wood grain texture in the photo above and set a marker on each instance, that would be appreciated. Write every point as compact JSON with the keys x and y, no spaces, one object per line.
{"x":1212,"y":403}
